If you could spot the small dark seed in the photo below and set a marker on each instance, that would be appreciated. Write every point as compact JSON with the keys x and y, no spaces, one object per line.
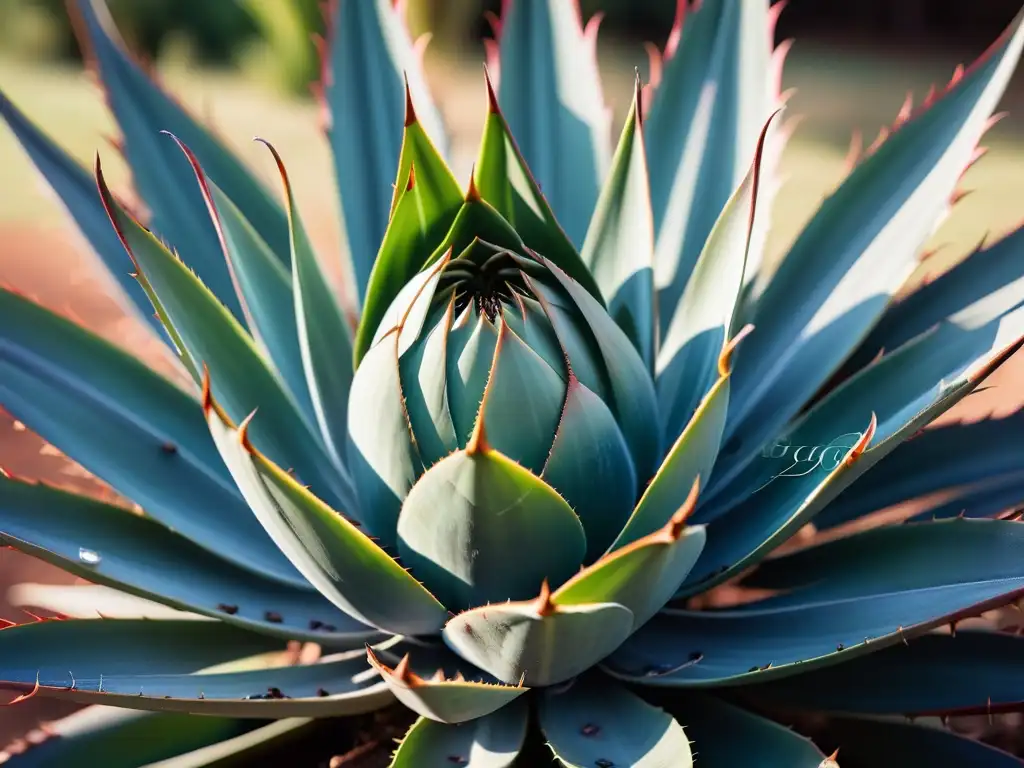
{"x":275,"y":693}
{"x":840,"y":647}
{"x":696,"y":656}
{"x":321,"y":692}
{"x":169,"y":448}
{"x":753,"y":669}
{"x":590,"y":729}
{"x":315,"y":625}
{"x":603,"y":763}
{"x":231,"y":610}
{"x":273,"y":617}
{"x":458,"y":760}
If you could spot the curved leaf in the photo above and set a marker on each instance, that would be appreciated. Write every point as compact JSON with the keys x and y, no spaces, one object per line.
{"x":595,"y":723}
{"x":724,"y":736}
{"x":469,"y":510}
{"x":97,"y":735}
{"x":211,"y":337}
{"x":590,"y":467}
{"x":704,"y":320}
{"x":538,"y":643}
{"x":249,"y":746}
{"x":77,"y":191}
{"x":493,"y":741}
{"x":130,"y":427}
{"x":551,"y":94}
{"x":345,"y":565}
{"x":160,"y":172}
{"x":444,"y":700}
{"x":965,"y":673}
{"x":814,"y":311}
{"x":854,"y":599}
{"x":324,"y":336}
{"x":471,"y":348}
{"x":115,"y":547}
{"x":643,"y":575}
{"x":369,"y":61}
{"x":152,"y":666}
{"x":718,"y":88}
{"x":881,"y":744}
{"x":619,"y":248}
{"x":87,"y":601}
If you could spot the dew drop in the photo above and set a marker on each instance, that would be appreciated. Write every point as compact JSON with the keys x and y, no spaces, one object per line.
{"x":89,"y":556}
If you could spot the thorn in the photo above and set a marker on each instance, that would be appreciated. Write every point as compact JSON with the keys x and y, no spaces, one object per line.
{"x":25,"y":696}
{"x":472,"y":193}
{"x":478,"y":440}
{"x":725,"y":358}
{"x":543,"y":605}
{"x":412,"y":177}
{"x":674,"y":527}
{"x":862,"y":444}
{"x":492,"y":97}
{"x":410,"y":110}
{"x":402,"y":671}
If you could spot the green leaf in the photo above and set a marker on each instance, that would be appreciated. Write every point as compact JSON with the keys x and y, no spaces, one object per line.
{"x":160,"y":172}
{"x":130,"y":427}
{"x":97,"y":735}
{"x":538,"y":643}
{"x":151,"y":665}
{"x":503,"y":180}
{"x":878,"y":744}
{"x":211,"y":337}
{"x":705,"y":318}
{"x":897,"y":396}
{"x":370,"y":62}
{"x":324,"y":335}
{"x":630,"y":389}
{"x":963,"y":673}
{"x":344,"y":564}
{"x":814,"y":311}
{"x":851,"y":597}
{"x":719,"y":86}
{"x":619,"y":248}
{"x":77,"y":191}
{"x":263,"y":284}
{"x":590,"y":467}
{"x":426,"y":202}
{"x":600,"y":723}
{"x":688,"y":462}
{"x":493,"y":741}
{"x":444,"y":700}
{"x":469,"y":510}
{"x":112,"y":546}
{"x":643,"y":575}
{"x":725,"y":736}
{"x":551,"y":93}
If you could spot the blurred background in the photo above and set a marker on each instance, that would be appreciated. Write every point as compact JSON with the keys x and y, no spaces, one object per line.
{"x":246,"y":66}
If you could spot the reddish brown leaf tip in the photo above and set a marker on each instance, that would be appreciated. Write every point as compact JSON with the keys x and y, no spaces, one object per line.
{"x":862,"y":445}
{"x":543,"y":605}
{"x":674,"y":527}
{"x":410,"y":110}
{"x":478,"y":440}
{"x":725,"y":358}
{"x":402,"y":671}
{"x":472,"y":193}
{"x":243,"y":433}
{"x":280,"y":165}
{"x":492,"y":96}
{"x":207,"y":397}
{"x":412,"y":178}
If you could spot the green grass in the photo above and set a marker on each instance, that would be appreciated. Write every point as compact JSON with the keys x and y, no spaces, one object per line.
{"x":837,"y":90}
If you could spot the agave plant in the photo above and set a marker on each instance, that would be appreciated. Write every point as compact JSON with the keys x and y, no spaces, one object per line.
{"x":576,"y":397}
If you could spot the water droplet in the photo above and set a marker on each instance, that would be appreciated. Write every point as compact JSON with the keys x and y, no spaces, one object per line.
{"x":89,"y":556}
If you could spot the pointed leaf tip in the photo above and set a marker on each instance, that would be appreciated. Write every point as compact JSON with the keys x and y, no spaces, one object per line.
{"x":543,"y":605}
{"x":725,"y":358}
{"x":472,"y":193}
{"x":207,"y":396}
{"x":492,"y":97}
{"x":410,"y":109}
{"x":412,"y":177}
{"x":243,"y":433}
{"x":674,"y":527}
{"x":861,"y":445}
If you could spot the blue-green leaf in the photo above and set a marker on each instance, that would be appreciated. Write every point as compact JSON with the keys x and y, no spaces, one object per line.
{"x":344,"y":564}
{"x":97,"y":736}
{"x":371,"y":58}
{"x":324,"y":335}
{"x":493,"y":741}
{"x":963,"y":673}
{"x":129,"y":426}
{"x":211,"y":338}
{"x":471,"y":348}
{"x":263,"y":284}
{"x":600,"y":723}
{"x":717,"y":91}
{"x":815,"y":310}
{"x":619,"y":248}
{"x":538,"y":643}
{"x":160,"y":172}
{"x":469,"y":510}
{"x":169,"y":666}
{"x":852,"y":597}
{"x":441,"y":699}
{"x":725,"y":736}
{"x":894,"y":744}
{"x":112,"y":546}
{"x":77,"y":191}
{"x":550,"y":91}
